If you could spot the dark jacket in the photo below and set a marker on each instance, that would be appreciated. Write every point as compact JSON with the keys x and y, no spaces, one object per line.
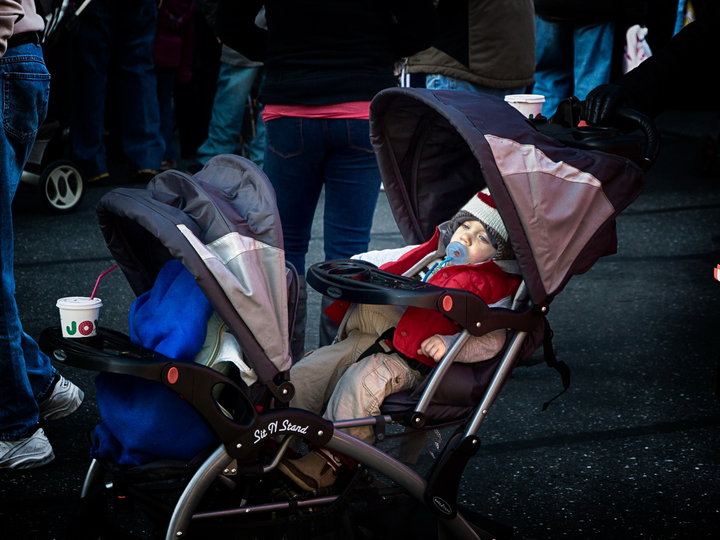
{"x":320,"y":52}
{"x":485,"y":42}
{"x":677,"y":75}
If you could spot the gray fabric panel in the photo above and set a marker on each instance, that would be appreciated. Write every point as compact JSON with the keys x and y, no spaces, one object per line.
{"x":231,"y":195}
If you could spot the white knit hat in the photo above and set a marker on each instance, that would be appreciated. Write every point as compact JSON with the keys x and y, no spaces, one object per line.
{"x":482,"y":206}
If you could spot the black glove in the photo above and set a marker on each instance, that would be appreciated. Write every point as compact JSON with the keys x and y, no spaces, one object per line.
{"x":602,"y":102}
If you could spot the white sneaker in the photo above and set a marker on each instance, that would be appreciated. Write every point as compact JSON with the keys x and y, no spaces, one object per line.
{"x":27,"y":453}
{"x":64,"y":399}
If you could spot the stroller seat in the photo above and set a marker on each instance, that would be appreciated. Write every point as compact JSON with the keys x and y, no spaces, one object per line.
{"x":453,"y":391}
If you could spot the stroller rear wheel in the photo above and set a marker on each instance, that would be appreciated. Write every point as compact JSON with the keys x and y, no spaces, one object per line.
{"x":61,"y":186}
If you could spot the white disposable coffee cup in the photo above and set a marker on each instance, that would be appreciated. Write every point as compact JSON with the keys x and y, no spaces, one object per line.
{"x":530,"y":105}
{"x":79,"y":316}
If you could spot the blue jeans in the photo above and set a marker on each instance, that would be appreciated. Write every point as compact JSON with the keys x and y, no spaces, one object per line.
{"x":571,"y":60}
{"x":115,"y":37}
{"x":443,"y":82}
{"x":233,"y":88}
{"x":25,"y":373}
{"x":165,"y":92}
{"x":305,"y":155}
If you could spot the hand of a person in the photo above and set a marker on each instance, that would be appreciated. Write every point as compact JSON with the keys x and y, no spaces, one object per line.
{"x":434,"y":347}
{"x":602,"y":102}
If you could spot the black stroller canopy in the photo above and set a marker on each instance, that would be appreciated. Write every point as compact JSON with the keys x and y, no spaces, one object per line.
{"x":436,"y":149}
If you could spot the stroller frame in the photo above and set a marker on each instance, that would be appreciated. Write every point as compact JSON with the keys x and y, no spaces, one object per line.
{"x":195,"y":383}
{"x":407,"y":127}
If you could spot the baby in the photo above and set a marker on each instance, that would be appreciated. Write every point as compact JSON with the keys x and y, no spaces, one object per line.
{"x":389,"y":349}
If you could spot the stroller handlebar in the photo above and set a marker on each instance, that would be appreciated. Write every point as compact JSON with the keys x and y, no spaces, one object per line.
{"x":628,"y":132}
{"x":360,"y":282}
{"x":648,"y":129}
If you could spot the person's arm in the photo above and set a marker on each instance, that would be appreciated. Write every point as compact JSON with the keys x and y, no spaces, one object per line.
{"x":476,"y":349}
{"x":10,"y":13}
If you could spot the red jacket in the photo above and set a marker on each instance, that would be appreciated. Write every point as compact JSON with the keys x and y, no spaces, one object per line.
{"x":487,"y":280}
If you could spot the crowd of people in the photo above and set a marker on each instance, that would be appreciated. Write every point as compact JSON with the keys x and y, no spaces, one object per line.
{"x":187,"y":77}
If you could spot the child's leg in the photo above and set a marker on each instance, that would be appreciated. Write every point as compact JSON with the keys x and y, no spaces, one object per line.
{"x":315,"y":376}
{"x":374,"y":319}
{"x":361,"y":391}
{"x":358,"y":394}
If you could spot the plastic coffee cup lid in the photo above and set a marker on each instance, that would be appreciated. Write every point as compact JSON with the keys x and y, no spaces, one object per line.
{"x":525,"y":98}
{"x":79,"y":302}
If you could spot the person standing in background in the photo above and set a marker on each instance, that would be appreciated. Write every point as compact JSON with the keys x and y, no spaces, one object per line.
{"x":670,"y":78}
{"x":115,"y":38}
{"x":173,"y":56}
{"x":485,"y":46}
{"x":324,"y":62}
{"x":234,"y":88}
{"x":575,"y":44}
{"x":30,"y":388}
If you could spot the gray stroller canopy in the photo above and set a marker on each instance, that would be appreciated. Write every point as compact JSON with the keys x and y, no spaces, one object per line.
{"x":222,"y":223}
{"x":436,"y":149}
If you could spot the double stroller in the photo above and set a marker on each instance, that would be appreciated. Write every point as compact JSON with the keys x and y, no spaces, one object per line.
{"x":558,"y":191}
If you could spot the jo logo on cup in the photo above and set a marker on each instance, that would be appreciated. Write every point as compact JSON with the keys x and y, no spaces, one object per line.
{"x":79,"y":316}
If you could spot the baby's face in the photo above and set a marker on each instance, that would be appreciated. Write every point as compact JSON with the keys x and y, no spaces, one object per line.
{"x":473,"y":235}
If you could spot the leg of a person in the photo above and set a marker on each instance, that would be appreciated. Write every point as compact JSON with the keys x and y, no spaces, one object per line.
{"x":315,"y":376}
{"x":141,"y":138}
{"x":25,"y":373}
{"x":259,"y":140}
{"x":593,"y":45}
{"x":320,"y":370}
{"x":554,"y":56}
{"x":194,"y":99}
{"x":436,"y":81}
{"x":165,"y":87}
{"x":293,"y":163}
{"x":233,"y":87}
{"x":91,"y":49}
{"x":352,"y":186}
{"x":293,"y":158}
{"x":362,"y":389}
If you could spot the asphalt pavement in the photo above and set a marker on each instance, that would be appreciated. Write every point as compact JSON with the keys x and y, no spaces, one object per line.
{"x":632,"y":450}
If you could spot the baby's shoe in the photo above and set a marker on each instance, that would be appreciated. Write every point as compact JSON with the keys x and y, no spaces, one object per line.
{"x":314,"y":471}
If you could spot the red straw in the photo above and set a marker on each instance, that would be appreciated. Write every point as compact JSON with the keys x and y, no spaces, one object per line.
{"x":97,"y":282}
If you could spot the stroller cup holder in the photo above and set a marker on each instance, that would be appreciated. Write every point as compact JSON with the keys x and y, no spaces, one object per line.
{"x":241,"y":430}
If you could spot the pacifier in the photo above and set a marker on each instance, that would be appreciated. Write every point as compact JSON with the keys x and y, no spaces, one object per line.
{"x":457,"y":252}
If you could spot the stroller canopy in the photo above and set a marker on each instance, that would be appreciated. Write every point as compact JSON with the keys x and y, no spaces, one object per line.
{"x":436,"y":149}
{"x":222,"y":223}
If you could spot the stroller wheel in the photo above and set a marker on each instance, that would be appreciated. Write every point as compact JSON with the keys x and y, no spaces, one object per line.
{"x":61,"y":186}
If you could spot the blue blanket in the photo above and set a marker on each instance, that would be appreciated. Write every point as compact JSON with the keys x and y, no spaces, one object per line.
{"x":143,"y":420}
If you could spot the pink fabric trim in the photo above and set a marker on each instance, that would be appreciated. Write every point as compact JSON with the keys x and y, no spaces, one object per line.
{"x":357,"y":110}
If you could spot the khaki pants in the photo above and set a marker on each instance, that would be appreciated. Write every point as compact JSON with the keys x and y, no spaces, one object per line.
{"x":316,"y":375}
{"x":362,"y":389}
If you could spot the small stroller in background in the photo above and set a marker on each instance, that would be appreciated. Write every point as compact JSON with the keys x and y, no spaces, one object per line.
{"x":59,"y":184}
{"x":435,"y":150}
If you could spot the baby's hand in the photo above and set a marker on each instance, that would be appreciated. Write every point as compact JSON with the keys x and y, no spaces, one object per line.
{"x":434,"y":347}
